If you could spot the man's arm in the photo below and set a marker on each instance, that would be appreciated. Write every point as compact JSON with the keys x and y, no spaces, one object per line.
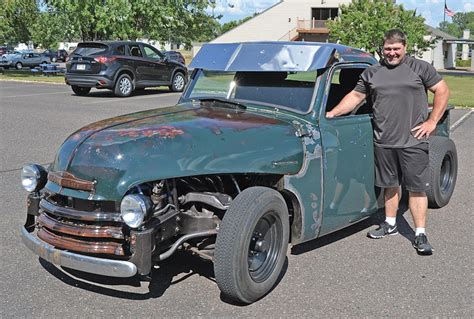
{"x":347,"y":104}
{"x":441,"y":96}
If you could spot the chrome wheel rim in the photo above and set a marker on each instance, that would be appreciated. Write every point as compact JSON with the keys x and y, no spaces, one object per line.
{"x":178,"y":82}
{"x":125,"y":86}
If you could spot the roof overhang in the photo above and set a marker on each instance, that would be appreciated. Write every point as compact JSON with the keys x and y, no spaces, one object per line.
{"x":460,"y":41}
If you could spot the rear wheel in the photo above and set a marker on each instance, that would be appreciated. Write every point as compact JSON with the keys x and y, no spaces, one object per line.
{"x":123,"y":86}
{"x":443,"y":171}
{"x":178,"y":83}
{"x":19,"y":66}
{"x":251,"y":244}
{"x":79,"y":90}
{"x":53,"y":59}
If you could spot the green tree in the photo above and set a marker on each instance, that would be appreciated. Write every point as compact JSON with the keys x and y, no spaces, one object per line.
{"x":181,"y":21}
{"x":18,"y":17}
{"x":461,"y":22}
{"x":235,"y":23}
{"x":363,"y":23}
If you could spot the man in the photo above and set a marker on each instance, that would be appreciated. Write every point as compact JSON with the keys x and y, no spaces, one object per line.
{"x":397,"y":89}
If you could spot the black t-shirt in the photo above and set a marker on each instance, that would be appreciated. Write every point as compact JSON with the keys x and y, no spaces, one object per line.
{"x":399,"y":98}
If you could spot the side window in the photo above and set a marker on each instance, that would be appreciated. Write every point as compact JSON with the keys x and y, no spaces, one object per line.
{"x":151,"y":53}
{"x":135,"y":50}
{"x":343,"y":81}
{"x":120,"y":50}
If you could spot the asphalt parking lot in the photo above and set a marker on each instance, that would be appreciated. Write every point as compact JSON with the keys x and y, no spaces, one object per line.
{"x":344,"y":274}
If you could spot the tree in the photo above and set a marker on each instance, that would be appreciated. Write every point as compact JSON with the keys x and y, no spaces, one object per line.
{"x":181,"y":21}
{"x":461,"y":22}
{"x":18,"y":17}
{"x":363,"y":23}
{"x":235,"y":23}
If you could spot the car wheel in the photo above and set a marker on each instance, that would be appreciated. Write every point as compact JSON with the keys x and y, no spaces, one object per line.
{"x":19,"y":66}
{"x":251,"y":244}
{"x":53,"y":59}
{"x":79,"y":90}
{"x":443,"y":171}
{"x":123,"y":86}
{"x":178,"y":83}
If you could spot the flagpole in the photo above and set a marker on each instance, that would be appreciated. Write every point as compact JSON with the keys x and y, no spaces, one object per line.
{"x":444,"y":12}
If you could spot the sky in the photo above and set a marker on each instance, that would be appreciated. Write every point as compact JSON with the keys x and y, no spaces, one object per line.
{"x":431,"y":10}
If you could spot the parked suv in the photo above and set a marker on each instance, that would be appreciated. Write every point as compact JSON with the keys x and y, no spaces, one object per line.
{"x":122,"y":66}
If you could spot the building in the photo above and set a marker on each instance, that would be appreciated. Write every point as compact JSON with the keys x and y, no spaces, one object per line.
{"x":288,"y":20}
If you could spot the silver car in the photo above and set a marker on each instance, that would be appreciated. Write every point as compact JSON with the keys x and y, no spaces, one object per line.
{"x":21,"y":60}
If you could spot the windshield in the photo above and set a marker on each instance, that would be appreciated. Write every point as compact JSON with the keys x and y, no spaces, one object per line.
{"x":291,"y":90}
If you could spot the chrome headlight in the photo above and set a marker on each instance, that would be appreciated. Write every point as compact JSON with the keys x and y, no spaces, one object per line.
{"x":135,"y":209}
{"x":33,"y":177}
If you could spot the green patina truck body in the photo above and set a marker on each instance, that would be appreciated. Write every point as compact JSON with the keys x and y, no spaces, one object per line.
{"x":243,"y":165}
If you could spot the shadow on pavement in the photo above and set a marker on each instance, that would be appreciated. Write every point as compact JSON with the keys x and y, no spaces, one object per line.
{"x":182,"y":264}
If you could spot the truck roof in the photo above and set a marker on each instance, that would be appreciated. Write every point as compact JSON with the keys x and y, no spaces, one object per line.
{"x":275,"y":56}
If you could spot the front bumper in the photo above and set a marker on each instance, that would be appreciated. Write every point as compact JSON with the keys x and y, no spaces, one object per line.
{"x":93,"y":265}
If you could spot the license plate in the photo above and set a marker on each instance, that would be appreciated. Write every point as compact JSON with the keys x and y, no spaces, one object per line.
{"x":81,"y":67}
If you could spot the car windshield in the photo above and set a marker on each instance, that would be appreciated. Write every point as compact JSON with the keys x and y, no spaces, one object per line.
{"x":289,"y":90}
{"x":85,"y":49}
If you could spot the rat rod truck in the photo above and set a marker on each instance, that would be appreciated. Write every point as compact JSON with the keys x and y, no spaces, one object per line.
{"x":245,"y":164}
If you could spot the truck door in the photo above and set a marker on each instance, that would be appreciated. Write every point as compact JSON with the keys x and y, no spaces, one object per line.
{"x":347,"y":145}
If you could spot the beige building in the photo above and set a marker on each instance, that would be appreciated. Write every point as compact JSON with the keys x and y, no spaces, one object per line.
{"x":288,"y":20}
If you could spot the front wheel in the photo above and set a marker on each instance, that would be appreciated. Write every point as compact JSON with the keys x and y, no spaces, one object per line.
{"x":443,"y":171}
{"x":19,"y":66}
{"x":53,"y":59}
{"x":79,"y":90}
{"x":178,"y":83}
{"x":123,"y":86}
{"x":251,"y":244}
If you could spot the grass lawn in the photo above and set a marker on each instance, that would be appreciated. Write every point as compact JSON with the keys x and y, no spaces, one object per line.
{"x":461,"y":88}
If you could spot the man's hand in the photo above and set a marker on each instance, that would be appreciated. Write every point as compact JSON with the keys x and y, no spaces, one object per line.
{"x":424,"y":130}
{"x":348,"y":103}
{"x":441,"y":95}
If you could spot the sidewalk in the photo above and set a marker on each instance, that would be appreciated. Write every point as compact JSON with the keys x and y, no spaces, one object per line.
{"x":457,"y":72}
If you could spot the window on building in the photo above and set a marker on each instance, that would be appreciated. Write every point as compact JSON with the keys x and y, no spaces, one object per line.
{"x":324,"y":13}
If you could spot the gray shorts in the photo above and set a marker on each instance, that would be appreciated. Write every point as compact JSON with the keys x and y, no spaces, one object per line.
{"x":402,"y":166}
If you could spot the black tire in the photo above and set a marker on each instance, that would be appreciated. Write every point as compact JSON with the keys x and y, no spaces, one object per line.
{"x":79,"y":90}
{"x":178,"y":83}
{"x":443,"y":171}
{"x":123,"y":86}
{"x":251,"y":244}
{"x":19,"y":66}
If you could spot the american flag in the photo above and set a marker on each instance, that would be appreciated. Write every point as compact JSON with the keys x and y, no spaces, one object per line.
{"x":450,"y":13}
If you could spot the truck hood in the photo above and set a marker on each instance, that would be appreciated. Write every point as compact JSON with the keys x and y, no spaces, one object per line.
{"x":184,"y":140}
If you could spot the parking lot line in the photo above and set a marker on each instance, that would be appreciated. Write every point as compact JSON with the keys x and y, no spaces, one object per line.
{"x":131,"y":98}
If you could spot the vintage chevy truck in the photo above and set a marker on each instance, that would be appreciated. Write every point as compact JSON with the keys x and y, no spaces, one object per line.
{"x":245,"y":164}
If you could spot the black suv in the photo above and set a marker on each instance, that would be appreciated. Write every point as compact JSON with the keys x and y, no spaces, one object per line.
{"x":122,"y":66}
